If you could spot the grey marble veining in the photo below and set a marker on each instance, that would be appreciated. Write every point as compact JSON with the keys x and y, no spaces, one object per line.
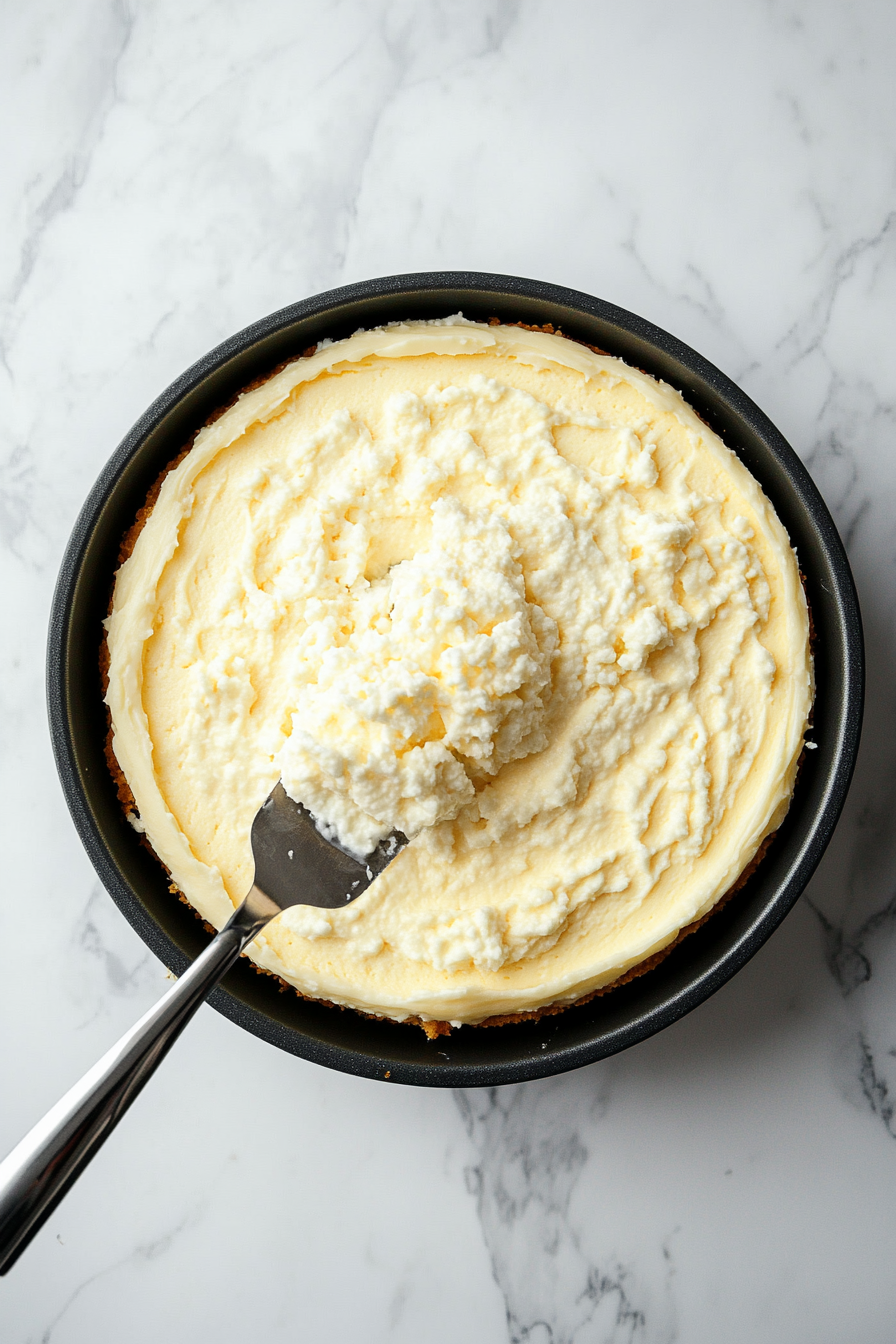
{"x":170,"y":173}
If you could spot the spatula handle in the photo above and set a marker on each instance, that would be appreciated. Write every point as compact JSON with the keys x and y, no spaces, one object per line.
{"x":48,"y":1161}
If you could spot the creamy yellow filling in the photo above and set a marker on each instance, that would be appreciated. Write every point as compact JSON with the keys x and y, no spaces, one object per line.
{"x":484,"y":585}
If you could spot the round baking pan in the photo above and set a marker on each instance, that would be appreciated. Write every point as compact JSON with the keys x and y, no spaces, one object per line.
{"x":342,"y":1039}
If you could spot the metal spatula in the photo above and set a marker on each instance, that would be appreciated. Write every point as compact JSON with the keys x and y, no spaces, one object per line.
{"x":294,"y":865}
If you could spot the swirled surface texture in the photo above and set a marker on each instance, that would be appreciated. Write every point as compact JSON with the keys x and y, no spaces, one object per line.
{"x":486,"y":586}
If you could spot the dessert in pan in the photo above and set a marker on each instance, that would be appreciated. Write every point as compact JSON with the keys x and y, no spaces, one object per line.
{"x":493,"y":589}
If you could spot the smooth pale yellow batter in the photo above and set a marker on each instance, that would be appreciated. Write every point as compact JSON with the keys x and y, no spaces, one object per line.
{"x":484,"y":585}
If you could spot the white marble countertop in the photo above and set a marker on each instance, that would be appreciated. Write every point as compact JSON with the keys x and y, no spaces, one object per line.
{"x":172,"y":171}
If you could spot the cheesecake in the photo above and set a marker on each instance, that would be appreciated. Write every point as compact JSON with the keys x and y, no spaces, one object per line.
{"x":491,"y":588}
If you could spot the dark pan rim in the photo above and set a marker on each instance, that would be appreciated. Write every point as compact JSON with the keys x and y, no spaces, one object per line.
{"x":583,"y":1033}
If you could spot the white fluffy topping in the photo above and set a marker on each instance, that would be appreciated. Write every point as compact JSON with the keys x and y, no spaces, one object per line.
{"x":432,"y":676}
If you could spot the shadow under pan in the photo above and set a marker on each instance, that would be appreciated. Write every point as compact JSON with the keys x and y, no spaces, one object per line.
{"x":342,"y":1039}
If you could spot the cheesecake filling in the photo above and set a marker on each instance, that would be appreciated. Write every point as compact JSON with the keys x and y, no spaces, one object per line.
{"x":493,"y":590}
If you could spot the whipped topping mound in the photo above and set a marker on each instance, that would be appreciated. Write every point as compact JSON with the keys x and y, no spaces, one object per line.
{"x":430,"y":678}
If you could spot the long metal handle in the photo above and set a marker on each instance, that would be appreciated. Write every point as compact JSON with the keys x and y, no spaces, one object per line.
{"x":42,"y":1168}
